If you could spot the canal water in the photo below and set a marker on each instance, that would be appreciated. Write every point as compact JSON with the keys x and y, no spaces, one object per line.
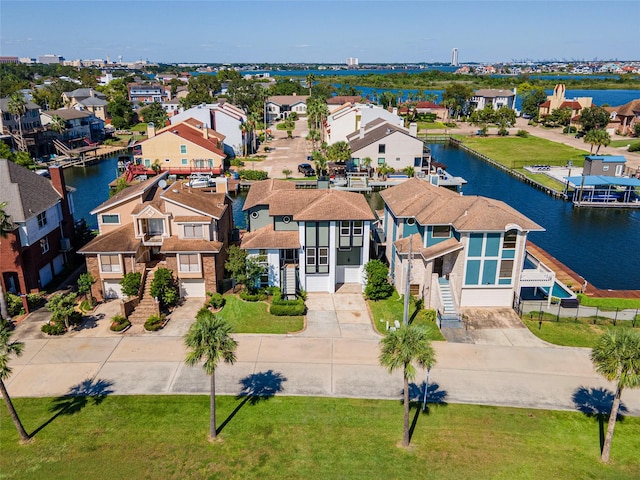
{"x":599,"y":244}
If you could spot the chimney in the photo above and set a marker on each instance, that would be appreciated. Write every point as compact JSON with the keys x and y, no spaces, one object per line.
{"x":361,"y":132}
{"x":205,"y":132}
{"x":221,"y":185}
{"x":151,"y":130}
{"x":413,"y":129}
{"x":59,"y":185}
{"x":395,"y":110}
{"x":92,"y":92}
{"x":57,"y":180}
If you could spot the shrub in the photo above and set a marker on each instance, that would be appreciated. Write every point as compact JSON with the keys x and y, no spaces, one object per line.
{"x":253,"y":175}
{"x":378,"y":287}
{"x":522,"y":133}
{"x":503,"y":132}
{"x":165,"y":288}
{"x":278,"y":300}
{"x":154,"y":323}
{"x":569,"y":130}
{"x":253,"y":297}
{"x":430,"y":315}
{"x":88,"y":304}
{"x":216,"y":300}
{"x":634,"y":147}
{"x":53,"y":328}
{"x":84,"y":283}
{"x":287,"y":310}
{"x":14,"y":304}
{"x":236,"y":162}
{"x":119,"y":323}
{"x":130,"y":283}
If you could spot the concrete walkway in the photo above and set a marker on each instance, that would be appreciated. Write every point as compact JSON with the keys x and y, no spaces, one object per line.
{"x":336,"y":355}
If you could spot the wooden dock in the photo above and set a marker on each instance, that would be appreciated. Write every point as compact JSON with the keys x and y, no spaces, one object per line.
{"x":568,"y":277}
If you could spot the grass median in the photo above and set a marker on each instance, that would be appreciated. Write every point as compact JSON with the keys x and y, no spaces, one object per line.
{"x":392,"y":308}
{"x":164,"y":437}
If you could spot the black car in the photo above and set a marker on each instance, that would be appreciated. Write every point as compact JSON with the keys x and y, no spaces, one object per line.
{"x":579,"y":134}
{"x":306,"y":169}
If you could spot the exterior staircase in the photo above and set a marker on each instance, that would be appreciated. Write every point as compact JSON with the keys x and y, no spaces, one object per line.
{"x":449,"y":317}
{"x":147,"y":306}
{"x":289,"y":282}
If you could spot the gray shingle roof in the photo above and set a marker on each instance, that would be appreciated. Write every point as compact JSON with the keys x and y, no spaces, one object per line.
{"x":27,"y":194}
{"x":375,"y":131}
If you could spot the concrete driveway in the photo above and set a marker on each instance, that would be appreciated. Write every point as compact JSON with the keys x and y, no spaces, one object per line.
{"x":286,"y":153}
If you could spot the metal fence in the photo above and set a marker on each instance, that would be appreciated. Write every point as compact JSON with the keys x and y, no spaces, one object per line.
{"x":556,"y":312}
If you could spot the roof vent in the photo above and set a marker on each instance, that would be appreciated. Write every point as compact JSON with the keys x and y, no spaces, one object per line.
{"x":175,"y":190}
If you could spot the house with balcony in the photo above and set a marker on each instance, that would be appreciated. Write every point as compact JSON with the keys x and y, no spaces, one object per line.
{"x":624,"y":117}
{"x":80,"y":127}
{"x":225,"y":119}
{"x":312,"y":240}
{"x":463,"y":250}
{"x":346,"y":119}
{"x":279,"y":107}
{"x":41,"y":212}
{"x":496,"y":99}
{"x":153,"y":224}
{"x":183,"y":148}
{"x":146,"y":93}
{"x":388,"y":144}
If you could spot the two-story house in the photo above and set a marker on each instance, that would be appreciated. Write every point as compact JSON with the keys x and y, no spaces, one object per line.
{"x":10,"y":123}
{"x":183,"y":148}
{"x":87,"y":99}
{"x":312,"y":240}
{"x":624,"y":118}
{"x":557,"y":101}
{"x":186,"y":230}
{"x":344,"y":120}
{"x":41,"y":211}
{"x":279,"y":107}
{"x":225,"y":119}
{"x":496,"y":99}
{"x":145,"y":93}
{"x":79,"y":125}
{"x":388,"y":144}
{"x":468,"y":248}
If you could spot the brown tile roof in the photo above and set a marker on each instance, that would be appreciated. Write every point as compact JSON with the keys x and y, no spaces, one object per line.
{"x":288,"y":99}
{"x":429,"y":253}
{"x":128,"y":193}
{"x":200,"y":126}
{"x":431,"y":205}
{"x":283,"y":198}
{"x":342,"y":99}
{"x":121,"y":240}
{"x":193,"y":218}
{"x":267,"y":237}
{"x":628,"y":109}
{"x":428,"y":105}
{"x":193,"y":135}
{"x":573,"y":105}
{"x":210,"y":204}
{"x":174,"y":244}
{"x":373,"y":132}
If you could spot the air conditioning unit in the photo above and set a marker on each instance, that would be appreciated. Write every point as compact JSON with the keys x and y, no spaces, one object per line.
{"x":65,"y":244}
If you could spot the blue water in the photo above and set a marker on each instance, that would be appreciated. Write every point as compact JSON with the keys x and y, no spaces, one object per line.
{"x":601,"y":244}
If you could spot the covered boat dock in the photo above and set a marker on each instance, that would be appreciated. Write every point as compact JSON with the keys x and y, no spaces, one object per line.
{"x":605,"y":191}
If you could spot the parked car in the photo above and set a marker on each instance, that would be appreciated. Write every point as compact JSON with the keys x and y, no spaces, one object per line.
{"x":306,"y":169}
{"x":579,"y":134}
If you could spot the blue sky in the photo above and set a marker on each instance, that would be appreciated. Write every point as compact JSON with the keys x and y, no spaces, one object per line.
{"x":321,"y":31}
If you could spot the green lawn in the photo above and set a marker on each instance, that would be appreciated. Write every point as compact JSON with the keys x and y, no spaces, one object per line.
{"x":254,"y":317}
{"x":609,"y":303}
{"x":393,"y":308}
{"x":545,"y":180}
{"x":431,"y":126}
{"x":164,"y":437}
{"x":517,"y":152}
{"x":567,"y":333}
{"x":624,"y":142}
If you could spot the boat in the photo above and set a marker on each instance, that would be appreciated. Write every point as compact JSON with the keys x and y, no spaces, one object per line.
{"x":200,"y":180}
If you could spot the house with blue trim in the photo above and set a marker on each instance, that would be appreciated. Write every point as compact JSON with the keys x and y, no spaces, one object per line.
{"x":463,"y":251}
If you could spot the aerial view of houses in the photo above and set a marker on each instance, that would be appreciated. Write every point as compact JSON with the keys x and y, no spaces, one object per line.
{"x":217,"y":262}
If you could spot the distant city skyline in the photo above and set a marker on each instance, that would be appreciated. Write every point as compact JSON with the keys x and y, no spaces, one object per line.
{"x":321,"y":31}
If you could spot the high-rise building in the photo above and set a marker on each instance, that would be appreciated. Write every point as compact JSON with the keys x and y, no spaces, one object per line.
{"x":352,"y":62}
{"x":454,"y":57}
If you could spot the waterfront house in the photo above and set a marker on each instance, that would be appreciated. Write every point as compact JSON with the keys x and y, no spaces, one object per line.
{"x":153,"y":223}
{"x":87,"y":99}
{"x":279,"y":107}
{"x":388,"y":144}
{"x":225,"y":119}
{"x":607,"y":165}
{"x":496,"y":99}
{"x":624,"y":117}
{"x":309,"y":239}
{"x":9,"y":123}
{"x":146,"y":93}
{"x":557,"y":100}
{"x":425,"y":108}
{"x":41,"y":211}
{"x":346,"y":119}
{"x":80,"y":127}
{"x":465,"y":251}
{"x":183,"y":148}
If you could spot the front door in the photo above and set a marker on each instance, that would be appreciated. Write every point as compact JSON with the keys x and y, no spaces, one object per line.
{"x":437,"y":266}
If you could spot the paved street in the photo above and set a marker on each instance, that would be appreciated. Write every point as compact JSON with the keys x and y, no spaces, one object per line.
{"x":336,"y":355}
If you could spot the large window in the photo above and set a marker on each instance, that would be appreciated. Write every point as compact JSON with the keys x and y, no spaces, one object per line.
{"x":42,"y":219}
{"x":192,"y":231}
{"x":317,"y":247}
{"x":350,"y":234}
{"x":382,"y":148}
{"x":441,"y":231}
{"x":110,"y":263}
{"x":112,"y":218}
{"x":188,"y":262}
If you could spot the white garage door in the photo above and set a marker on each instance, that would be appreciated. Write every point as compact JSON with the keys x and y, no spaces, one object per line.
{"x":112,"y":289}
{"x":58,"y":264}
{"x":192,"y":288}
{"x":45,"y":275}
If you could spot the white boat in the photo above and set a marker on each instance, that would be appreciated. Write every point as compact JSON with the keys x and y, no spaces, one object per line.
{"x":200,"y":180}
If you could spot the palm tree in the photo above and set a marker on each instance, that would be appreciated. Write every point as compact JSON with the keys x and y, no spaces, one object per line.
{"x":57,"y":124}
{"x":6,"y":349}
{"x":17,"y":106}
{"x":6,"y":226}
{"x":210,"y":338}
{"x":597,"y":137}
{"x":400,"y":349}
{"x":244,"y":128}
{"x":310,"y":78}
{"x":616,"y":357}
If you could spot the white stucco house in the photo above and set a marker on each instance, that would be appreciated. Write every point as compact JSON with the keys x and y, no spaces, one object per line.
{"x":280,"y":107}
{"x":493,"y":98}
{"x":347,"y":118}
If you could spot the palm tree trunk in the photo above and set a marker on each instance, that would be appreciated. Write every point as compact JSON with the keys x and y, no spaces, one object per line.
{"x":212,"y":408}
{"x":4,"y":311}
{"x":405,"y":436}
{"x":12,"y":412}
{"x":613,"y":416}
